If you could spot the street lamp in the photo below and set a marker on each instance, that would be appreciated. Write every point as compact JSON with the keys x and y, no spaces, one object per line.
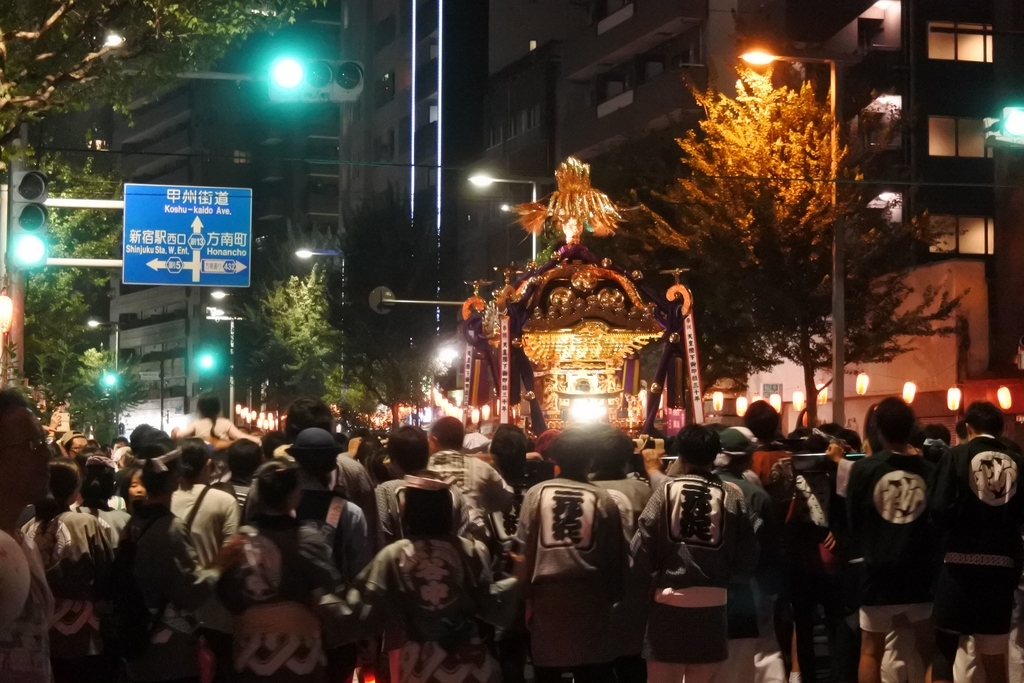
{"x":486,"y":180}
{"x":96,"y":324}
{"x":758,"y":57}
{"x":206,"y":361}
{"x":218,"y":294}
{"x":310,"y":253}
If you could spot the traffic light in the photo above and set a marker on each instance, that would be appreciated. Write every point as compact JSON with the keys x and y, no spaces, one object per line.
{"x":109,"y":379}
{"x":27,"y":216}
{"x":207,"y":361}
{"x":293,"y":79}
{"x":1007,"y":130}
{"x":1012,"y":123}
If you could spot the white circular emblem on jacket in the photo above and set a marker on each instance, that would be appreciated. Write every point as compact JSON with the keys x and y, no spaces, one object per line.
{"x":262,"y":568}
{"x":900,"y":497}
{"x":993,"y":477}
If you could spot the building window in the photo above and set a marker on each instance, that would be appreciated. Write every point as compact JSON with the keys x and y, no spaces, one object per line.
{"x":959,"y":42}
{"x":384,"y":89}
{"x":533,"y":45}
{"x":240,"y":157}
{"x":432,"y":113}
{"x":963,"y":234}
{"x":384,"y":146}
{"x":532,"y":117}
{"x":96,"y":144}
{"x":384,"y":32}
{"x":513,"y":126}
{"x":496,"y":135}
{"x":952,"y":137}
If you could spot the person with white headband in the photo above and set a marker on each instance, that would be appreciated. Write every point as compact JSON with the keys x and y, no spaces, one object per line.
{"x":164,"y":567}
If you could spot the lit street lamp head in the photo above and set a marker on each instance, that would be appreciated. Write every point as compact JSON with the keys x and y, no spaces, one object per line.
{"x":481,"y":180}
{"x":304,"y":253}
{"x":93,"y":324}
{"x":758,"y":57}
{"x":218,"y":294}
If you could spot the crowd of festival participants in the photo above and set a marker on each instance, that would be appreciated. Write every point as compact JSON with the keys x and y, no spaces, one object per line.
{"x":731,"y":555}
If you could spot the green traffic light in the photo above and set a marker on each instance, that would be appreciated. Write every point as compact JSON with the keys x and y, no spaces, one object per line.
{"x":29,"y":250}
{"x":206,"y":361}
{"x":1013,"y":121}
{"x":109,"y":380}
{"x":286,"y":72}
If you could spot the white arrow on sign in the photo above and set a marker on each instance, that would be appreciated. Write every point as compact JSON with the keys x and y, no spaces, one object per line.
{"x":197,"y":224}
{"x":175,"y":265}
{"x":223,"y":266}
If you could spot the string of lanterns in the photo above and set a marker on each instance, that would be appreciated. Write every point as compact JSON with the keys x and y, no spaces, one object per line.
{"x":954,"y":397}
{"x":267,"y":421}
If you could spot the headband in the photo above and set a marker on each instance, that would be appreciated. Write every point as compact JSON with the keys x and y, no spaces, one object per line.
{"x":100,"y":460}
{"x":160,"y":462}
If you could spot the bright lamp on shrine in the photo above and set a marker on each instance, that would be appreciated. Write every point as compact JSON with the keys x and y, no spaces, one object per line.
{"x":718,"y":401}
{"x":953,"y":398}
{"x":741,"y":406}
{"x":862,"y":383}
{"x":909,"y":392}
{"x":1005,"y":398}
{"x":6,"y":313}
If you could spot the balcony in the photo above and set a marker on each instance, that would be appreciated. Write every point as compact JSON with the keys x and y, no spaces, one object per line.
{"x":630,"y":31}
{"x":589,"y":130}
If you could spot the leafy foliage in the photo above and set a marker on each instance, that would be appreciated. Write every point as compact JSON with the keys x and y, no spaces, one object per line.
{"x":58,"y":54}
{"x":296,"y":350}
{"x":95,"y":405}
{"x":386,"y":356}
{"x":58,"y":300}
{"x":751,"y":214}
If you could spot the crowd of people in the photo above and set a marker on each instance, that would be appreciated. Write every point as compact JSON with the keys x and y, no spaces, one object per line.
{"x":724,"y":554}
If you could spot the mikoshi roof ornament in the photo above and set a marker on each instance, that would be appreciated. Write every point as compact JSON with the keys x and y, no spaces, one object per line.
{"x":573,"y":207}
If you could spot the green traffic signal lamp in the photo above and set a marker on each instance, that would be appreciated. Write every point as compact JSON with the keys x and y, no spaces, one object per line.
{"x":286,"y":72}
{"x":109,"y":380}
{"x":29,"y":250}
{"x":1012,"y":123}
{"x":207,"y":361}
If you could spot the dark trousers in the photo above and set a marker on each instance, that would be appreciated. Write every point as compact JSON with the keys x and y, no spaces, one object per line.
{"x":631,"y":669}
{"x":95,"y":669}
{"x":807,"y":591}
{"x":341,"y":662}
{"x":589,"y":673}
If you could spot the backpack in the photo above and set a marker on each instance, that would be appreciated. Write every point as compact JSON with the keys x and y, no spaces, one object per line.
{"x":133,"y":623}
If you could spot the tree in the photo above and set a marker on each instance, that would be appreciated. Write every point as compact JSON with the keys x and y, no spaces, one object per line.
{"x":97,"y":404}
{"x":59,"y":54}
{"x":387,"y":356}
{"x":295,"y":349}
{"x":58,"y":300}
{"x":752,"y":216}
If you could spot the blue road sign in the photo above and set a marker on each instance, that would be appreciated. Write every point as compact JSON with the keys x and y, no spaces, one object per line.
{"x":182,"y":235}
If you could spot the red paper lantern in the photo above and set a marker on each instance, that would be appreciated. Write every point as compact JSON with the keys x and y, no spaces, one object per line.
{"x":6,"y":313}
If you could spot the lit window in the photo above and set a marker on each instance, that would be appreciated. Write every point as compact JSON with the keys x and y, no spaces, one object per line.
{"x":959,"y":42}
{"x":533,"y":45}
{"x":241,"y":157}
{"x":941,"y":136}
{"x":432,"y":113}
{"x":952,"y":137}
{"x":973,"y":235}
{"x":98,"y":145}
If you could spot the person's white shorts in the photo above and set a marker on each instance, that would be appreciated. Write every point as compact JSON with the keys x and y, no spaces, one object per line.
{"x":880,"y":618}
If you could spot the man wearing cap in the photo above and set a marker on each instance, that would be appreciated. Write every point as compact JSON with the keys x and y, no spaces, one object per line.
{"x":753,"y":648}
{"x":342,"y":524}
{"x":73,"y":443}
{"x":24,"y":478}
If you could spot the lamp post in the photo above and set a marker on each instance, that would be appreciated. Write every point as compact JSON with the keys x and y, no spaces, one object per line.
{"x":763,"y":58}
{"x":218,"y":315}
{"x":486,"y":180}
{"x":96,"y":324}
{"x":310,"y":253}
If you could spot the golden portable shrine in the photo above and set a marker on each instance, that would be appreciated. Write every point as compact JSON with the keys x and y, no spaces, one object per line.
{"x":564,"y":336}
